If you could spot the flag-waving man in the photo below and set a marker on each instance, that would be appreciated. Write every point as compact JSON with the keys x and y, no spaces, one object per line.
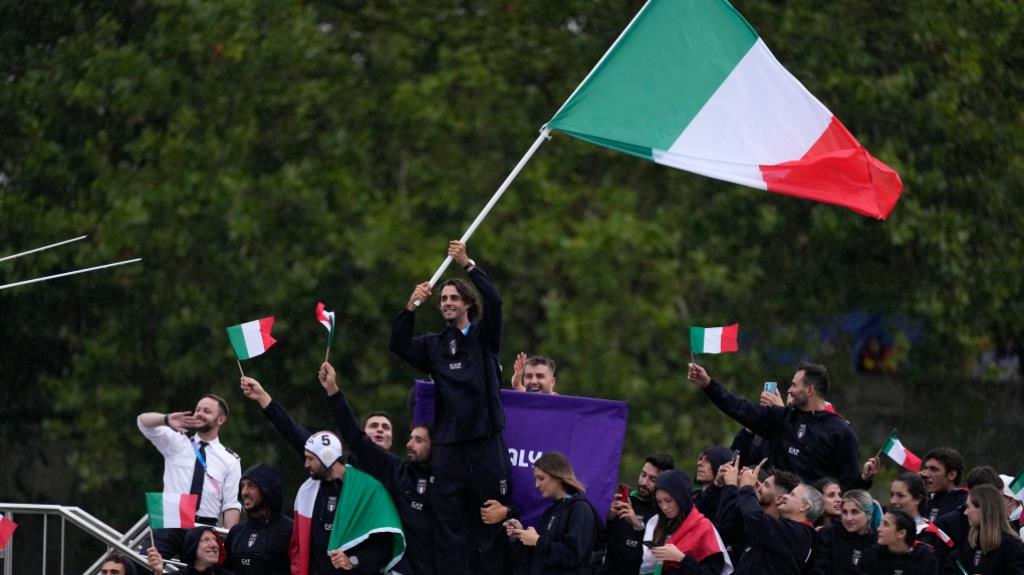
{"x":471,"y":463}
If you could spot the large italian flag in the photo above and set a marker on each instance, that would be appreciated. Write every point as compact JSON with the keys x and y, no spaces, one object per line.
{"x":689,"y":84}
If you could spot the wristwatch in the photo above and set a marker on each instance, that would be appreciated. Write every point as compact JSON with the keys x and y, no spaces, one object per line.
{"x":470,"y":265}
{"x":353,"y":560}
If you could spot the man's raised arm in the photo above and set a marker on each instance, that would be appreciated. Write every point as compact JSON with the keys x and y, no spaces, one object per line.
{"x":403,"y":344}
{"x":293,"y":433}
{"x":760,"y":419}
{"x":374,"y":459}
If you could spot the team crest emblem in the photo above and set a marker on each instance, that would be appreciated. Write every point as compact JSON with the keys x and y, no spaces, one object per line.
{"x":252,"y":539}
{"x":332,"y":504}
{"x":421,"y":486}
{"x":503,"y":486}
{"x":453,"y":347}
{"x":856,"y":556}
{"x":801,"y":431}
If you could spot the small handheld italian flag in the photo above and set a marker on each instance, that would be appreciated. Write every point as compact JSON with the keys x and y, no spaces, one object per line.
{"x":326,"y":319}
{"x":897,"y":452}
{"x":1017,"y":485}
{"x":170,"y":510}
{"x":714,"y":339}
{"x":251,"y":338}
{"x":7,"y":528}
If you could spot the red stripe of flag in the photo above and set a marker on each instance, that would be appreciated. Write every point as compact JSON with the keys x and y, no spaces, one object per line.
{"x":265,"y":325}
{"x":187,"y":510}
{"x":912,"y":462}
{"x":7,"y":528}
{"x":838,"y":170}
{"x":729,"y":335}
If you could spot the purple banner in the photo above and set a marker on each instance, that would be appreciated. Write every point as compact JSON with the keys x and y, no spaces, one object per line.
{"x":588,"y":431}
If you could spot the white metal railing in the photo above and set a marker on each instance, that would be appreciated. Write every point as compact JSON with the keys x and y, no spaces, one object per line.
{"x":127,"y":543}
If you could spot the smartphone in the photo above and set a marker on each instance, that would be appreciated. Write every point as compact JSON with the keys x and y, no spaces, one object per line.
{"x":648,"y":543}
{"x":623,"y":493}
{"x":771,"y":386}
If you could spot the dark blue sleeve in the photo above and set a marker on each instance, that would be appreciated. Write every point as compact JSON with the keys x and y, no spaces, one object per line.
{"x":951,"y":568}
{"x":373,"y":459}
{"x":761,"y":527}
{"x":847,"y":459}
{"x":293,"y":433}
{"x":821,"y":559}
{"x":373,"y":554}
{"x":1013,"y":555}
{"x":413,"y":350}
{"x":728,"y":520}
{"x":493,"y":315}
{"x":577,"y":543}
{"x":711,"y":565}
{"x":761,"y":419}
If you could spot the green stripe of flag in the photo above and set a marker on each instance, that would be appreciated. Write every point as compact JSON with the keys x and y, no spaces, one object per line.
{"x":680,"y":52}
{"x":237,"y":338}
{"x":155,"y":508}
{"x":697,"y":339}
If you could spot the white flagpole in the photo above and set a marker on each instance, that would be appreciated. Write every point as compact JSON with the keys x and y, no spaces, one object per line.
{"x":42,"y":279}
{"x":490,"y":204}
{"x":3,"y":259}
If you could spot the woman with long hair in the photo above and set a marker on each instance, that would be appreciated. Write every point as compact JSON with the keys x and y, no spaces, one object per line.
{"x":564,"y":539}
{"x":840,"y":547}
{"x":832,"y":495}
{"x":896,"y":551}
{"x":679,"y":539}
{"x":908,"y":494}
{"x":992,"y":548}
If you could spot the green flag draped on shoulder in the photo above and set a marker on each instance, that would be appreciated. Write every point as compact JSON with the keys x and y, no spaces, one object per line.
{"x":365,"y":509}
{"x":689,"y":84}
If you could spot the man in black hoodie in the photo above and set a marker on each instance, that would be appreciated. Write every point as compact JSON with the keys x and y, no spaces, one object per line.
{"x":706,"y":498}
{"x":407,"y":480}
{"x":471,"y":465}
{"x":803,"y":436}
{"x":260,"y":545}
{"x":627,"y":519}
{"x":202,"y":552}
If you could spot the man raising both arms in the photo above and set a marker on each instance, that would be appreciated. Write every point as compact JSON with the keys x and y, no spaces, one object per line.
{"x":471,"y":463}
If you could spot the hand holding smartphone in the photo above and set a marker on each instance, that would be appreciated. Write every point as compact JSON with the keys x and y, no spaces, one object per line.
{"x":771,"y":386}
{"x":623,"y":492}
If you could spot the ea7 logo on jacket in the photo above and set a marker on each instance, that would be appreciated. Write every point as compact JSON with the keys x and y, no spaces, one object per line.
{"x":454,"y":366}
{"x":794,"y":451}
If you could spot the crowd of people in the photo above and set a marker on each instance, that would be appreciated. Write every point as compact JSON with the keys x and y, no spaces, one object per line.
{"x":788,"y":496}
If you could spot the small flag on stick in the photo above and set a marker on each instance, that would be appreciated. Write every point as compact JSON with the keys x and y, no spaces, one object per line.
{"x":170,"y":510}
{"x":326,"y":319}
{"x":251,"y":338}
{"x":7,"y":527}
{"x":897,"y":452}
{"x":714,"y":339}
